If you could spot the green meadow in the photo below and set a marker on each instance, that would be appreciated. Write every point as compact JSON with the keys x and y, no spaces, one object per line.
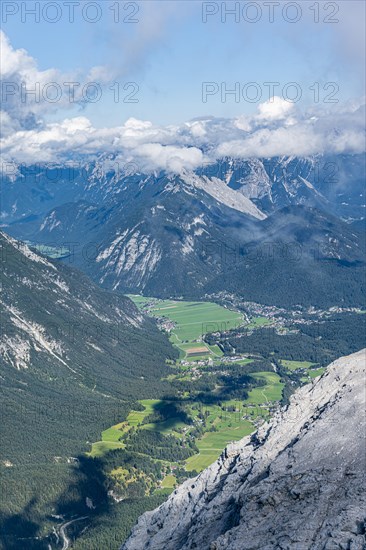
{"x":136,"y":417}
{"x":313,"y":373}
{"x":217,"y":424}
{"x":258,"y":322}
{"x":211,"y":444}
{"x":169,"y":482}
{"x":306,"y":368}
{"x":271,"y":392}
{"x":294,"y":365}
{"x":111,"y":437}
{"x":193,"y":319}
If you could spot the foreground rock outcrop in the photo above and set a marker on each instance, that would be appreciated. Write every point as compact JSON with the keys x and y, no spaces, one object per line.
{"x":298,"y":483}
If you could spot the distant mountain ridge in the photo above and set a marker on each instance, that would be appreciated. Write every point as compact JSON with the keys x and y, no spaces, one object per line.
{"x":200,"y":232}
{"x":333,"y":182}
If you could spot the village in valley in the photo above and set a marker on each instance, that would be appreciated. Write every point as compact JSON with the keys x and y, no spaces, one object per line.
{"x":219,"y":393}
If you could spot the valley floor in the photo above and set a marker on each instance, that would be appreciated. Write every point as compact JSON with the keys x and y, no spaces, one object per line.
{"x":201,"y":426}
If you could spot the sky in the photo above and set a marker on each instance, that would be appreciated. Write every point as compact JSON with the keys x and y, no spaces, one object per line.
{"x":171,"y":61}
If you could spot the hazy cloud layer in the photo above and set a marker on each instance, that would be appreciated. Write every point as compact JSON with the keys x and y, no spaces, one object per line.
{"x":189,"y":145}
{"x":28,"y":93}
{"x":278,"y":128}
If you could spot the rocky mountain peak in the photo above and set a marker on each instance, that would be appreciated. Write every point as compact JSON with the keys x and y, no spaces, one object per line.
{"x":298,"y":482}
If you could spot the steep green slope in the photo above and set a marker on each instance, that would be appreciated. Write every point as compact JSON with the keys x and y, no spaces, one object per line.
{"x":73,"y":360}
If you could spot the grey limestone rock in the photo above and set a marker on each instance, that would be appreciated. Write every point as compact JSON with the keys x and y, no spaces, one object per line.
{"x":298,"y":483}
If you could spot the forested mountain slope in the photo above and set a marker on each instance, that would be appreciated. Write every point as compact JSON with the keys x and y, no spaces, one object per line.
{"x":73,"y":359}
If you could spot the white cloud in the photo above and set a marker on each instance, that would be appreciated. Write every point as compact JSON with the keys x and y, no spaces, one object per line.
{"x":197,"y":128}
{"x":27,"y":93}
{"x":174,"y":148}
{"x":152,"y":156}
{"x":275,"y":108}
{"x":278,"y":128}
{"x":14,"y":61}
{"x":265,"y":142}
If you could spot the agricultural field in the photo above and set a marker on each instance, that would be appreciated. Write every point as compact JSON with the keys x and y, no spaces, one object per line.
{"x":209,"y":424}
{"x":109,"y":441}
{"x":169,"y":482}
{"x":220,"y":424}
{"x":242,"y":361}
{"x":100,"y":448}
{"x":195,"y":319}
{"x":312,"y":373}
{"x":190,"y":321}
{"x":230,"y":427}
{"x":269,"y":393}
{"x":307,"y":369}
{"x":136,"y":417}
{"x":111,"y":437}
{"x":294,"y":365}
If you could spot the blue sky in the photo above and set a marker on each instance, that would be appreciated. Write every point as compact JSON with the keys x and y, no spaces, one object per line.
{"x":170,"y":52}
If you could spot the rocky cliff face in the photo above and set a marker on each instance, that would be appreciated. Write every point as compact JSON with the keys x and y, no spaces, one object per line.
{"x":297,"y":483}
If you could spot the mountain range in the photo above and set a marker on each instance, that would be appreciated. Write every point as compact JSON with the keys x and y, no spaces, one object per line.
{"x":236,"y":225}
{"x":77,"y":354}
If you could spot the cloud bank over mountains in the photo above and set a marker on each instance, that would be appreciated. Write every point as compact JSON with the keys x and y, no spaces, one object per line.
{"x":279,"y":128}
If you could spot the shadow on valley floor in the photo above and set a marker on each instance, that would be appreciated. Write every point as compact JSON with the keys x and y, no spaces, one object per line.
{"x":87,"y":492}
{"x":85,"y":496}
{"x":22,"y":529}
